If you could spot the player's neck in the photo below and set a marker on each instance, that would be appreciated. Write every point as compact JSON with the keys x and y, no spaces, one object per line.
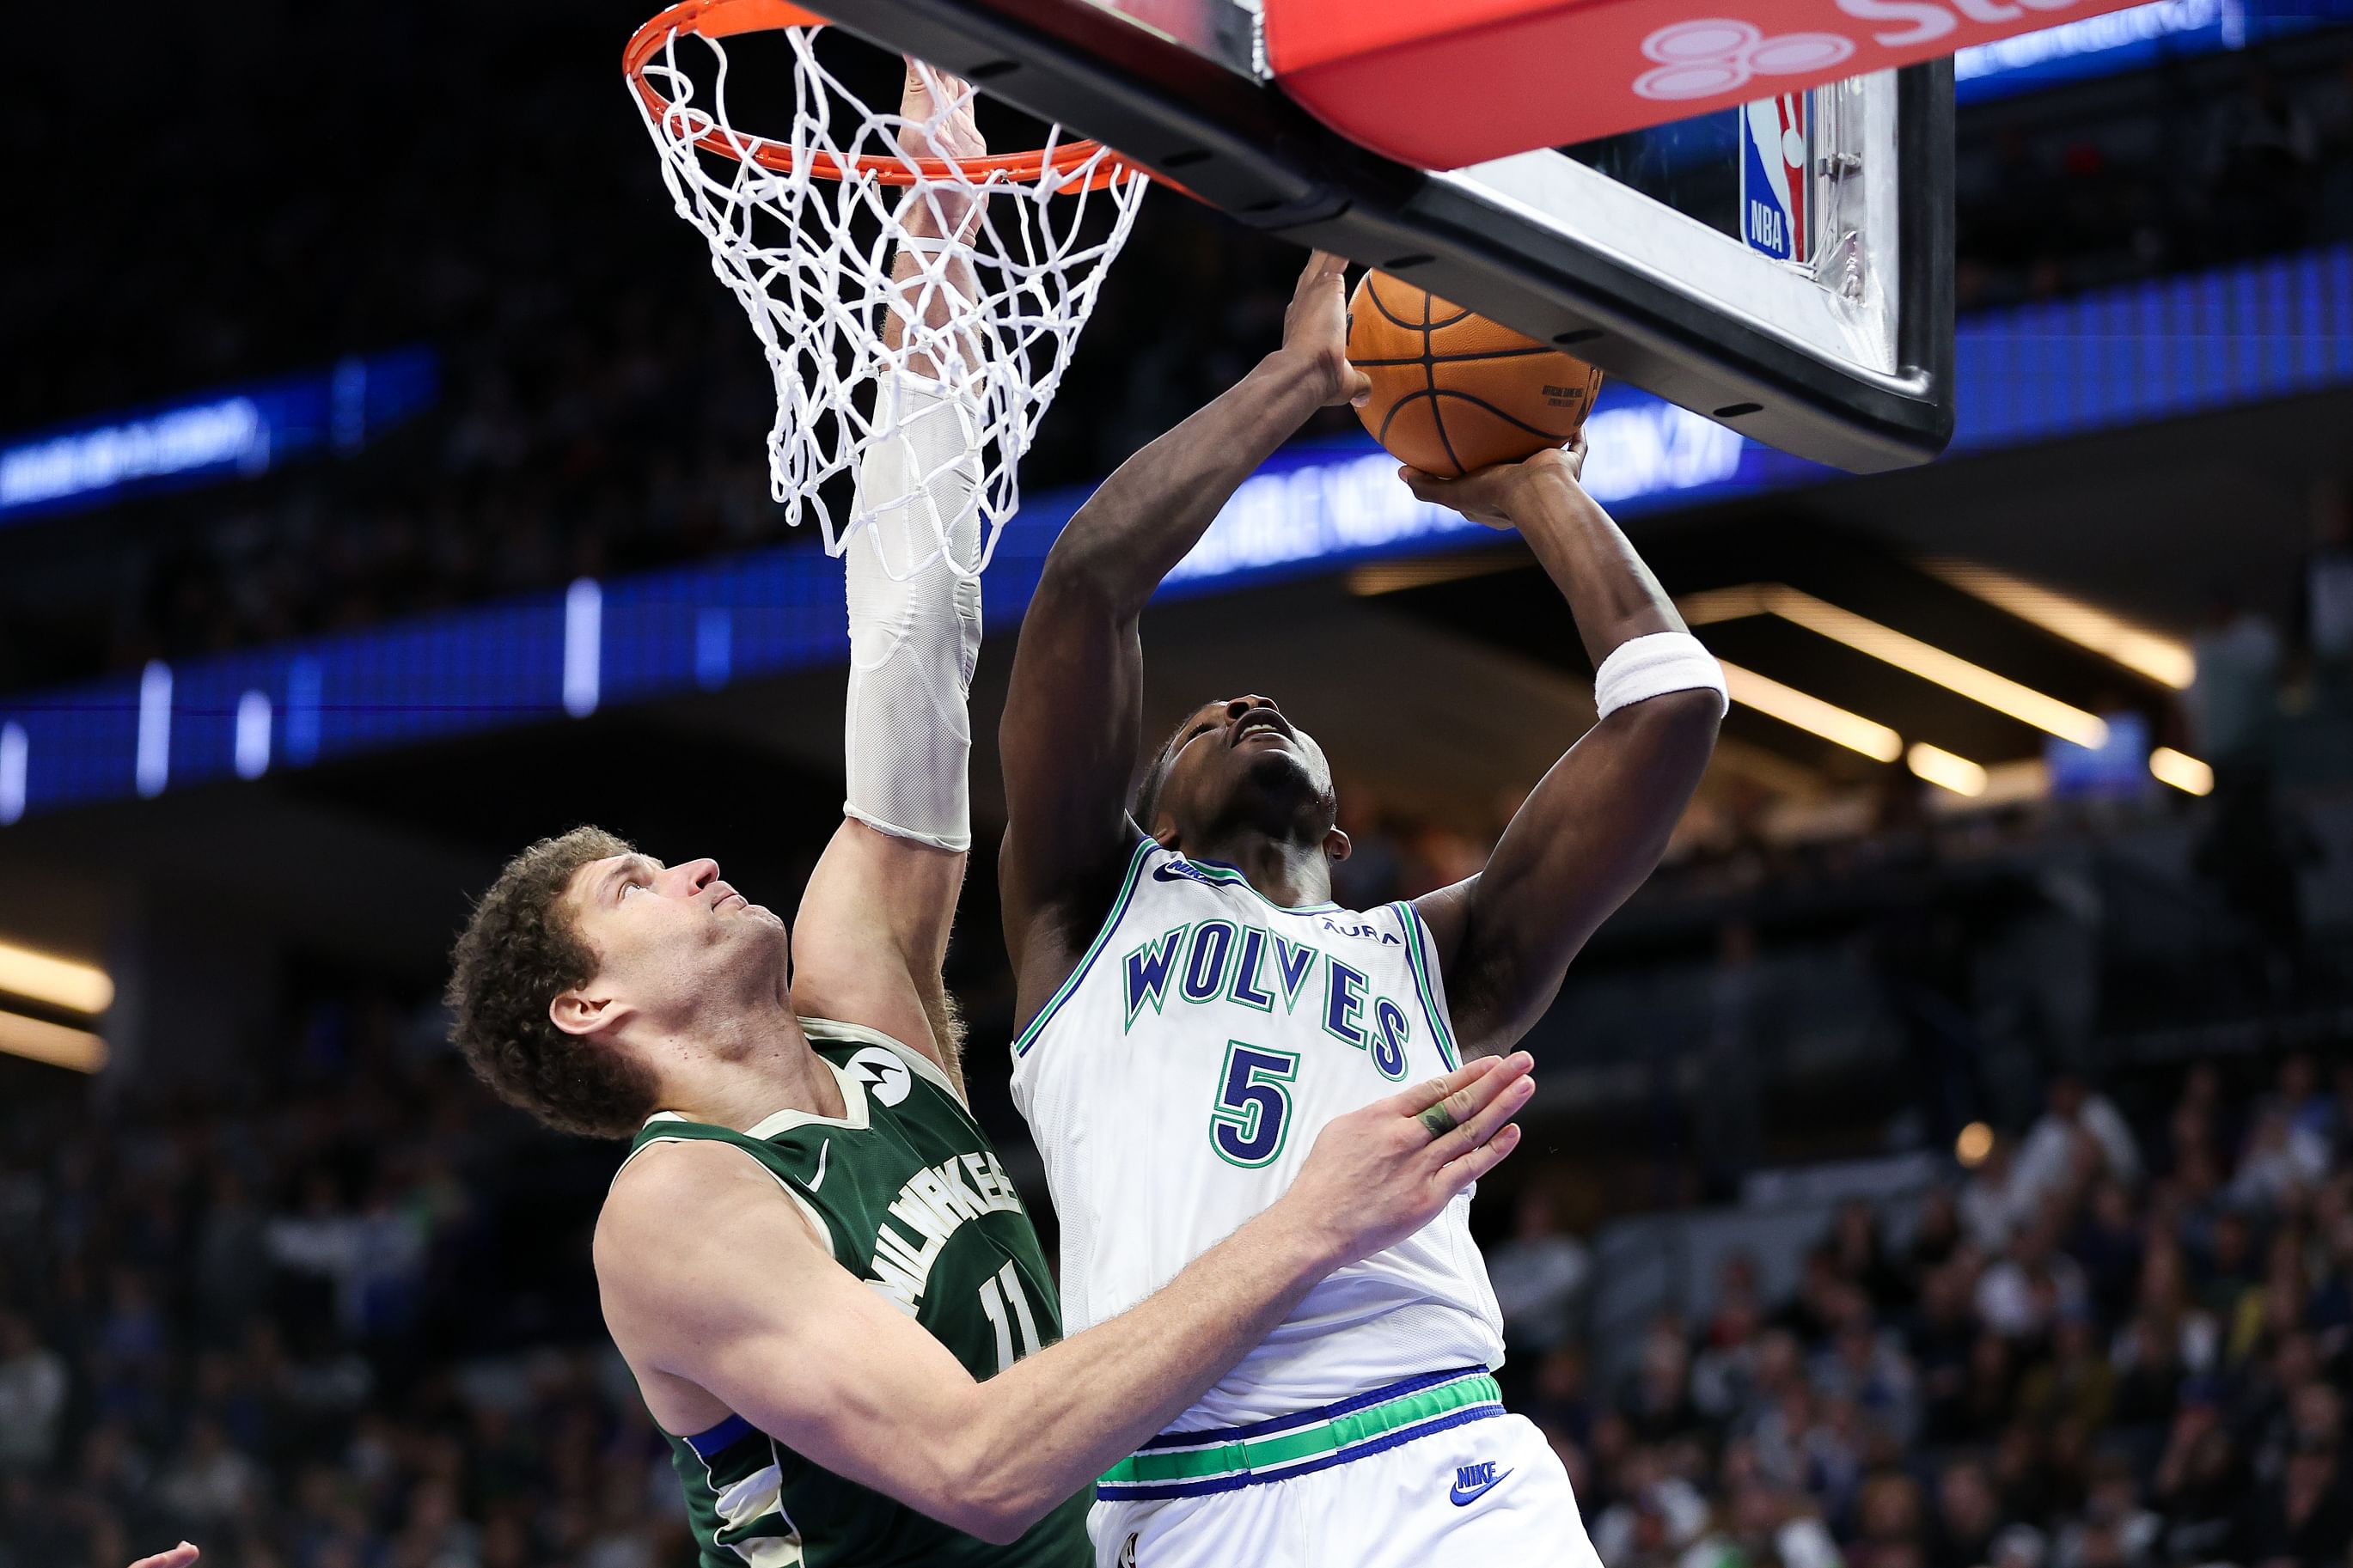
{"x":1284,"y":872}
{"x":746,"y":1070}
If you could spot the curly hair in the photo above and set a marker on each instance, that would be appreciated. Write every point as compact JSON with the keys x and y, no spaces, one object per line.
{"x":518,"y":952}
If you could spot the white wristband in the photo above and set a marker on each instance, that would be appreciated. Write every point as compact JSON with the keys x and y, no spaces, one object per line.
{"x":1646,"y":666}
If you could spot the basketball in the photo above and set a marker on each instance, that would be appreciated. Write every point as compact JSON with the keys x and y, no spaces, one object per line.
{"x":1453,"y":391}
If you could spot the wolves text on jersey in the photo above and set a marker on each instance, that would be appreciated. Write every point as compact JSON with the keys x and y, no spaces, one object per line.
{"x":929,"y":1208}
{"x":1208,"y":960}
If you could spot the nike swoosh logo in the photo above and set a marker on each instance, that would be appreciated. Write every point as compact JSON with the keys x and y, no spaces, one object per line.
{"x":1165,"y":873}
{"x":1462,"y":1495}
{"x":823,"y":1149}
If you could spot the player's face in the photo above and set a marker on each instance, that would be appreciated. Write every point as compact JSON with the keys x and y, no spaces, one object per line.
{"x":668,"y":938}
{"x":1241,"y":758}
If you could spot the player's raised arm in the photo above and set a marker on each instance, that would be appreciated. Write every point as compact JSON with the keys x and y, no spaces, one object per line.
{"x":751,"y":1307}
{"x":873,"y":926}
{"x":1073,"y":715}
{"x":1596,"y":823}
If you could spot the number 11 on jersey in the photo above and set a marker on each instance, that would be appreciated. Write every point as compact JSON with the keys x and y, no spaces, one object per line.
{"x":996,"y":1294}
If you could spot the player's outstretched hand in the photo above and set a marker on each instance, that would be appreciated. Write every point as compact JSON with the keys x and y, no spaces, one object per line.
{"x":1378,"y":1175}
{"x":937,"y":109}
{"x":180,"y":1557}
{"x":1495,"y":495}
{"x":1315,"y":329}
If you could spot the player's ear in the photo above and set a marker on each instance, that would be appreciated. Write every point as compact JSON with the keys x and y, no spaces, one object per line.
{"x":577,"y":1011}
{"x":1337,"y":846}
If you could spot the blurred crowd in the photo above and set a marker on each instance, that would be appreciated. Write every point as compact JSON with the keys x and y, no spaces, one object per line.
{"x":345,"y":1323}
{"x":2112,"y":1346}
{"x":2261,"y":167}
{"x":603,"y":406}
{"x":348,"y":1324}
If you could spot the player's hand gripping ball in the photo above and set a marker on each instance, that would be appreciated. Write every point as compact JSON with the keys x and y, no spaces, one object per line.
{"x":1453,"y":392}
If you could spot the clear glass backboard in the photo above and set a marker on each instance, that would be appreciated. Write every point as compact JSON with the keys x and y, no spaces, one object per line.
{"x":1783,"y":268}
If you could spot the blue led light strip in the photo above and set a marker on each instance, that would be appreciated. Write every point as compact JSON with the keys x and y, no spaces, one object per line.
{"x":2132,"y":40}
{"x":2123,"y":356}
{"x":233,"y":434}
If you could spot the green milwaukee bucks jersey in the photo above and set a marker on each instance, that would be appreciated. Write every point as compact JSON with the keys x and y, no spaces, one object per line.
{"x":914,"y":1201}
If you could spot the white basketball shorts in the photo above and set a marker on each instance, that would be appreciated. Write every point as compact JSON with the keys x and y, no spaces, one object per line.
{"x":1392,"y":1480}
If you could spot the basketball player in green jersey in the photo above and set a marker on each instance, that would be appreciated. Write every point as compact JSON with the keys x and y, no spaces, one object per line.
{"x":813,"y":1262}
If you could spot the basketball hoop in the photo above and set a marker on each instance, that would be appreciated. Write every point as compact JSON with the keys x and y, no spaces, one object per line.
{"x":1001,"y":258}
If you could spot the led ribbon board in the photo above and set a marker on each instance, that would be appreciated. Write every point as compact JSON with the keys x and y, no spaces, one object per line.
{"x":2121,"y":356}
{"x":236,"y":433}
{"x":2132,"y":40}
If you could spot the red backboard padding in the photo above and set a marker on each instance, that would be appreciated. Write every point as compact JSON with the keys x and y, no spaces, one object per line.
{"x":1443,"y":83}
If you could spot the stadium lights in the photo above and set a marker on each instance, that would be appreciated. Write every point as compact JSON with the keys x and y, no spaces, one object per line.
{"x":57,"y":982}
{"x":1945,"y":771}
{"x":1371,"y":580}
{"x":1908,"y":653}
{"x":252,"y":749}
{"x":13,"y":749}
{"x":150,"y":765}
{"x":2182,"y":771}
{"x":1776,"y":772}
{"x":34,"y":1040}
{"x":2028,"y":778}
{"x":1812,"y":714}
{"x":2145,"y":652}
{"x":583,"y":641}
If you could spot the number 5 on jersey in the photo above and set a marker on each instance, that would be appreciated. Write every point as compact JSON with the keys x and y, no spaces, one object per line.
{"x":1254,"y":1110}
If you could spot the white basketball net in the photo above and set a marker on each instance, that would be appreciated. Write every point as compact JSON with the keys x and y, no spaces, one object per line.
{"x":993,"y":311}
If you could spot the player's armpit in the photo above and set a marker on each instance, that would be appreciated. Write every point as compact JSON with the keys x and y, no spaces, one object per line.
{"x":872,"y":934}
{"x":746,"y":1304}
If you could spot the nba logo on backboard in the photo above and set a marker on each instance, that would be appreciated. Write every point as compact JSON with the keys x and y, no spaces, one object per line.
{"x":1776,"y":139}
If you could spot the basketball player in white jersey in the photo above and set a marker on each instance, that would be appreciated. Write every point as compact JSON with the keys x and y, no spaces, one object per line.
{"x":1196,"y":1008}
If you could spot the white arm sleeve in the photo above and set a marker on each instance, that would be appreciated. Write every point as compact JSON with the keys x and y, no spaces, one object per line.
{"x":914,"y":630}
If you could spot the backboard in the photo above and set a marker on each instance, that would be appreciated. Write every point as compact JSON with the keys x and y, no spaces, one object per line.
{"x":1655,"y":253}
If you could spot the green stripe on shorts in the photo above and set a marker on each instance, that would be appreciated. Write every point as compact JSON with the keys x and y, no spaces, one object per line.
{"x":1308,"y":1442}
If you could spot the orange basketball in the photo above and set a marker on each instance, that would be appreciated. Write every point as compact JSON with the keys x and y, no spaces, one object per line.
{"x":1453,"y":392}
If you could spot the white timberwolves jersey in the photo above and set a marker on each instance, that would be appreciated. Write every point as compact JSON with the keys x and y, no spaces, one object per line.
{"x":1176,"y":1082}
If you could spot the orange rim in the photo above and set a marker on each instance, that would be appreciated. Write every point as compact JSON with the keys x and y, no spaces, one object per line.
{"x":726,"y":18}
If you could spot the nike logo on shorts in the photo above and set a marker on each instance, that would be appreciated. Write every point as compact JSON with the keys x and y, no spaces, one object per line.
{"x":1473,"y":1483}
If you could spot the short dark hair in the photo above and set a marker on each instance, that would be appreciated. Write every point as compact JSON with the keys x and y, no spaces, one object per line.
{"x":1155,"y":773}
{"x":519,"y":952}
